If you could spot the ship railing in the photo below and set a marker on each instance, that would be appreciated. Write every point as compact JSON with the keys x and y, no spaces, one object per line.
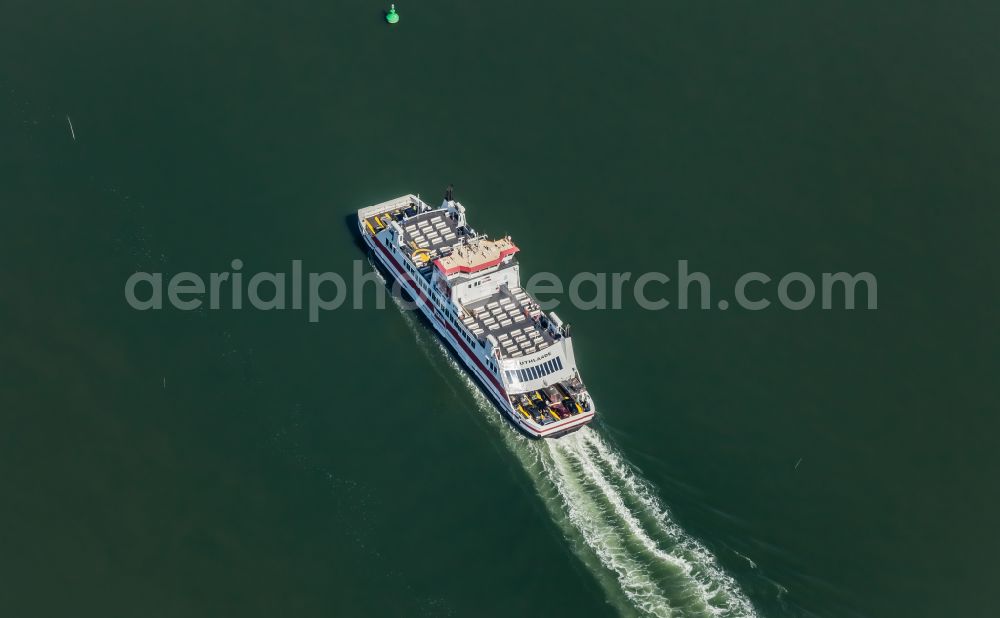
{"x":404,"y":201}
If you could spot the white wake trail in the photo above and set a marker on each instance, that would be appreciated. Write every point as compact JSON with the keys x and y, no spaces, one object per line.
{"x":708,"y":570}
{"x":690,"y":576}
{"x":611,"y":516}
{"x":680,"y":571}
{"x":608,"y":543}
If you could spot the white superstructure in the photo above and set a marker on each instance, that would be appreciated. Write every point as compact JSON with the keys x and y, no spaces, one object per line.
{"x":469,"y":287}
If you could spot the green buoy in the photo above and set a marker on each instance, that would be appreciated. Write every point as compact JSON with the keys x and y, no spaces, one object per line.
{"x":392,"y":16}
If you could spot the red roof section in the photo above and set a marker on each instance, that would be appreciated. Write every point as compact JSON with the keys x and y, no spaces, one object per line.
{"x":472,"y":268}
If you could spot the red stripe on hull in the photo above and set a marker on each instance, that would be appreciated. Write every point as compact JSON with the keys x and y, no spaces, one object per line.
{"x":448,"y":326}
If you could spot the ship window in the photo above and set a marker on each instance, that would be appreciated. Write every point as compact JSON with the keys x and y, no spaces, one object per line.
{"x":551,"y":365}
{"x":534,"y":373}
{"x":559,"y":363}
{"x":520,"y":375}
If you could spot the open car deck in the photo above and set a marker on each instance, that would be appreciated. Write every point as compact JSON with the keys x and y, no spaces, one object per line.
{"x":434,"y":231}
{"x":551,"y":404}
{"x":377,"y":221}
{"x":511,"y":317}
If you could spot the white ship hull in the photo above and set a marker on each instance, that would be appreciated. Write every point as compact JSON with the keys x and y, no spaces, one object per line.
{"x":485,"y":368}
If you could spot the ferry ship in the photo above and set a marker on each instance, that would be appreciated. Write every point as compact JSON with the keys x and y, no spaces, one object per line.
{"x":469,"y":287}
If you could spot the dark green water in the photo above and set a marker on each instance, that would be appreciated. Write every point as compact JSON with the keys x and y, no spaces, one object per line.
{"x":242,"y":463}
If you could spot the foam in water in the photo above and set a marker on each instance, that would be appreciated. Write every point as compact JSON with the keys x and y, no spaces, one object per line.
{"x":611,"y":517}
